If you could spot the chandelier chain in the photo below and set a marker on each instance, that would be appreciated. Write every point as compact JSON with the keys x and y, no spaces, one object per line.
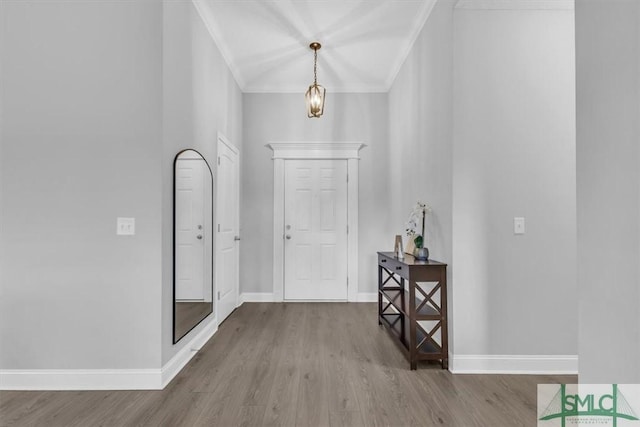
{"x":315,"y":65}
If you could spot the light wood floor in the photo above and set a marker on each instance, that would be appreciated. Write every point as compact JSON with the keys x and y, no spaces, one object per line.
{"x":296,"y":365}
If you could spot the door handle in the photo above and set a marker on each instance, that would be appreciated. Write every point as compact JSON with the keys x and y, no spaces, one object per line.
{"x":199,"y":237}
{"x":237,"y":238}
{"x":288,"y":237}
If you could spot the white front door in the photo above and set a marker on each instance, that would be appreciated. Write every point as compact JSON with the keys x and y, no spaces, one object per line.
{"x":227,"y":218}
{"x":190,"y":222}
{"x":315,"y":207}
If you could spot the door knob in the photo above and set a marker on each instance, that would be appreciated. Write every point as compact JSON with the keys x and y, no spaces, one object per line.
{"x":288,"y":237}
{"x":199,"y":237}
{"x":236,"y":238}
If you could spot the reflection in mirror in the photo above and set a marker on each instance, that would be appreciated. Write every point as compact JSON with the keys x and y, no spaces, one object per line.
{"x":192,"y":242}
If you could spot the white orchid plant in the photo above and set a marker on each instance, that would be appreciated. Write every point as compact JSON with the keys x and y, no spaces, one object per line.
{"x":415,"y":220}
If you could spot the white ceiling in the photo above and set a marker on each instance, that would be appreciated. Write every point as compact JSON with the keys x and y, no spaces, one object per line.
{"x":266,"y":42}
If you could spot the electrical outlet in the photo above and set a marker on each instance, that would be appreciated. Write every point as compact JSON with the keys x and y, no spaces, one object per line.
{"x":126,"y":226}
{"x":518,"y":225}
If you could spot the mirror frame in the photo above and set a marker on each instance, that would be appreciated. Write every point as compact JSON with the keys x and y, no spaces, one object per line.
{"x":173,"y":306}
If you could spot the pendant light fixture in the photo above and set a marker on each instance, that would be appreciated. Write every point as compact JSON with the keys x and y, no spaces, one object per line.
{"x":315,"y":94}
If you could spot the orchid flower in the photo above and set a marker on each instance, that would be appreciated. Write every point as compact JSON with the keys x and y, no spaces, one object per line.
{"x":416,"y":218}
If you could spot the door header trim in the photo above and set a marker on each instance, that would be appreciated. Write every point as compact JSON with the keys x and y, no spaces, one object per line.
{"x":315,"y":150}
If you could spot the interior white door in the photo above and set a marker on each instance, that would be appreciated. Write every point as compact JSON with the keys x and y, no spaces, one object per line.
{"x":315,"y":263}
{"x":190,"y":222}
{"x":228,"y":240}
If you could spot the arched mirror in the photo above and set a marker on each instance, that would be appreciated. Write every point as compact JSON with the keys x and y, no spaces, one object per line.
{"x":192,"y":242}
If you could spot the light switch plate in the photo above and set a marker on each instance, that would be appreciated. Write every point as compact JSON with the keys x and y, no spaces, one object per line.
{"x":518,"y":225}
{"x":126,"y":227}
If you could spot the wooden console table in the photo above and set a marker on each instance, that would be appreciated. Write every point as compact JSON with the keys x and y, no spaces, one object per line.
{"x":414,"y":315}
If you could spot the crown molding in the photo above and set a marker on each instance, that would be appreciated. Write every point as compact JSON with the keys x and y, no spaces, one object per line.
{"x":356,"y":88}
{"x":408,"y":45}
{"x":516,"y":4}
{"x":218,"y":40}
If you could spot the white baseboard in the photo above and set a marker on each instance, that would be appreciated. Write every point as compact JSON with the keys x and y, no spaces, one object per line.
{"x":268,"y":297}
{"x":255,"y":297}
{"x":514,"y":364}
{"x":182,"y":357}
{"x":106,"y":379}
{"x":80,"y":379}
{"x":367,"y":297}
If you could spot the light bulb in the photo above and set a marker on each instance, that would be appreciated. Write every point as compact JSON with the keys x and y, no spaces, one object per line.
{"x":315,"y":101}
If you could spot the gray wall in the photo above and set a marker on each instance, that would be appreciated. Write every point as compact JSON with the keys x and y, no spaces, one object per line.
{"x":82,"y":128}
{"x":92,"y":121}
{"x":608,"y":179}
{"x":282,"y":117}
{"x":491,"y":140}
{"x":201,"y":98}
{"x":514,"y":155}
{"x":420,"y":134}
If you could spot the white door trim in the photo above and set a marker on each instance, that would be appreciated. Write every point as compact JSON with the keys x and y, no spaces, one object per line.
{"x":282,"y":151}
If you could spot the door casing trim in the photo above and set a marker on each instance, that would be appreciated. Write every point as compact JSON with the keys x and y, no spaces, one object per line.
{"x":349,"y":151}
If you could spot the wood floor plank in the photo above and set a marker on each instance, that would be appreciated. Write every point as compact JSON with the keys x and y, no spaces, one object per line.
{"x":313,"y":405}
{"x":120,"y":408}
{"x":296,"y":364}
{"x":499,"y":397}
{"x":173,"y":409}
{"x":373,"y":396}
{"x":213,"y":405}
{"x":282,"y":403}
{"x":346,"y":419}
{"x":16,"y":405}
{"x":452,"y":396}
{"x":244,"y":390}
{"x":268,"y":351}
{"x":342,"y":397}
{"x":65,"y":408}
{"x":250,"y":416}
{"x":430,"y":413}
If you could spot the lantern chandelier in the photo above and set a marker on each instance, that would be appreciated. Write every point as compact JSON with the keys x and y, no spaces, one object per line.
{"x":315,"y":94}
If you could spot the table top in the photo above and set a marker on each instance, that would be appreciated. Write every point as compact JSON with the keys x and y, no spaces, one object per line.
{"x":410,"y":260}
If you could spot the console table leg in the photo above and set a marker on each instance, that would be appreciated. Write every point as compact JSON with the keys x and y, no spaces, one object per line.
{"x":379,"y":296}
